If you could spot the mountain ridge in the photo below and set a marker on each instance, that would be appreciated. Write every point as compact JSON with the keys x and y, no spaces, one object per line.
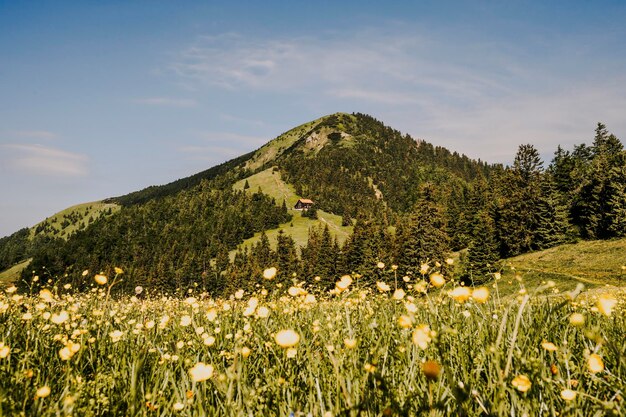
{"x":381,"y":196}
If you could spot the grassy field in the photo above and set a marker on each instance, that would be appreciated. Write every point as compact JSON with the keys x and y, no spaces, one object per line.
{"x":595,"y":264}
{"x":12,"y":274}
{"x":299,"y":351}
{"x":66,"y":222}
{"x":271,"y":183}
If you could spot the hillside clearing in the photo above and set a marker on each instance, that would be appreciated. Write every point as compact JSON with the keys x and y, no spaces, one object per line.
{"x":271,"y":183}
{"x":12,"y":274}
{"x":71,"y":219}
{"x":595,"y":264}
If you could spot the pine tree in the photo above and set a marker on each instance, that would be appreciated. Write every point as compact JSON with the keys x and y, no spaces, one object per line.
{"x":516,"y":211}
{"x":286,"y":258}
{"x":483,"y":249}
{"x":616,"y":206}
{"x":553,"y":226}
{"x":423,"y":237}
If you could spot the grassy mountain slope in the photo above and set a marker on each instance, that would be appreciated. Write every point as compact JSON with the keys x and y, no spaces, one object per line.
{"x":12,"y":274}
{"x":595,"y":264}
{"x":270,"y":182}
{"x":71,"y":219}
{"x":17,"y":248}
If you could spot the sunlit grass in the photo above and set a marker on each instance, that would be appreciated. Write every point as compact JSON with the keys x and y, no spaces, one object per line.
{"x":363,"y":349}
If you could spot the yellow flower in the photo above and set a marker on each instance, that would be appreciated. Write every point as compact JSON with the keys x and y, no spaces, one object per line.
{"x":178,"y":406}
{"x":577,"y":319}
{"x":606,"y":303}
{"x":422,"y":336}
{"x":595,"y":363}
{"x":118,"y":271}
{"x":343,"y":283}
{"x":310,"y":299}
{"x":549,"y":346}
{"x":263,"y":312}
{"x":431,"y":370}
{"x":46,"y":296}
{"x":437,"y":280}
{"x":568,"y":394}
{"x":398,"y":294}
{"x":100,"y":279}
{"x":350,"y":343}
{"x":269,"y":273}
{"x":185,"y":321}
{"x":65,"y":354}
{"x":116,"y":335}
{"x":405,"y":321}
{"x":11,"y":289}
{"x":497,"y":276}
{"x":521,"y":383}
{"x":460,"y":294}
{"x":62,"y":317}
{"x":211,"y":314}
{"x":4,"y":350}
{"x":42,"y":392}
{"x":292,"y":352}
{"x":201,"y":372}
{"x":245,"y":352}
{"x":382,"y":287}
{"x":481,"y":294}
{"x":380,"y":265}
{"x":296,"y":291}
{"x":85,"y":272}
{"x":449,"y":261}
{"x":424,"y":269}
{"x":287,"y":338}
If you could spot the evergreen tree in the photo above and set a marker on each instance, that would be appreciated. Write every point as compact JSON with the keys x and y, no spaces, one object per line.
{"x":553,"y":226}
{"x":423,"y":237}
{"x":483,"y":249}
{"x":616,"y":206}
{"x":286,"y":258}
{"x":516,"y":213}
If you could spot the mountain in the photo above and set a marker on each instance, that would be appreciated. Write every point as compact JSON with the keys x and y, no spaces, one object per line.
{"x":379,"y":196}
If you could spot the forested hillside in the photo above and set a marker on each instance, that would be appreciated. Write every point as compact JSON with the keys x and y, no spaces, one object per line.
{"x":410,"y":202}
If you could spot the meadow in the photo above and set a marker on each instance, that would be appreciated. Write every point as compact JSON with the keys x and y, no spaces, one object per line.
{"x":433,"y":348}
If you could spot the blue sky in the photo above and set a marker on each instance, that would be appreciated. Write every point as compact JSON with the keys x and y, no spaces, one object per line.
{"x":98,"y":99}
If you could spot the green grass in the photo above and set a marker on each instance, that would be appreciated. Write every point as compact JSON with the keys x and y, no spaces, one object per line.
{"x":12,"y":274}
{"x":595,"y":264}
{"x":270,"y":151}
{"x":74,"y":217}
{"x":299,"y":227}
{"x":271,"y":183}
{"x":353,"y":356}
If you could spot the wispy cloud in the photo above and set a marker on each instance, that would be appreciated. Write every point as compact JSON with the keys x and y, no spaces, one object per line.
{"x":233,"y":138}
{"x":481,"y":97}
{"x":43,"y":160}
{"x":34,"y":134}
{"x":369,"y":65}
{"x":166,"y":101}
{"x":215,"y":147}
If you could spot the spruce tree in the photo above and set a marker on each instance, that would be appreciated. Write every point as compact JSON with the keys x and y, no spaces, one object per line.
{"x":286,"y":258}
{"x":483,"y":249}
{"x":423,"y":237}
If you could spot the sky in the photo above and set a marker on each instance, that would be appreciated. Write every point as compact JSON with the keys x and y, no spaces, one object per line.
{"x":98,"y":99}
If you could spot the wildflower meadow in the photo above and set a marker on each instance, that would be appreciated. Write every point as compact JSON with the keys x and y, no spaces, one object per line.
{"x":433,"y":348}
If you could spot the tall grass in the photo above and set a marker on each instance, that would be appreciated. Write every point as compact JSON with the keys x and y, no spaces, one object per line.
{"x":361,"y":351}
